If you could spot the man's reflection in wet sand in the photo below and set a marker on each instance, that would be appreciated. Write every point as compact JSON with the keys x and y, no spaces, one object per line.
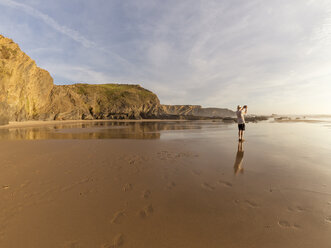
{"x":239,"y":159}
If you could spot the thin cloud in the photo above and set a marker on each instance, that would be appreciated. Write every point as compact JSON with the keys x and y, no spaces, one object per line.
{"x":78,"y":73}
{"x":73,"y":34}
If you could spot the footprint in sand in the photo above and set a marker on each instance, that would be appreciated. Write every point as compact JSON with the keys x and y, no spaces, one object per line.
{"x":296,"y":226}
{"x":171,"y":185}
{"x":328,"y":219}
{"x":196,"y":172}
{"x":25,"y":184}
{"x":118,"y":241}
{"x":227,"y":184}
{"x":207,"y":186}
{"x":71,"y":244}
{"x":118,"y":216}
{"x":252,"y":204}
{"x":127,"y":187}
{"x":132,"y":161}
{"x":146,"y":211}
{"x":290,"y":209}
{"x":135,"y":159}
{"x":284,"y":224}
{"x":5,"y":187}
{"x":146,"y":194}
{"x":329,"y":203}
{"x":166,"y":155}
{"x":300,"y":209}
{"x":297,"y":208}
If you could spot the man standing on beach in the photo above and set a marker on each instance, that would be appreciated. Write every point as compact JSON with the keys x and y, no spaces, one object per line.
{"x":241,"y":111}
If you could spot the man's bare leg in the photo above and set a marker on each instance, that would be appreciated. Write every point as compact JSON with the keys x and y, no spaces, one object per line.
{"x":240,"y":135}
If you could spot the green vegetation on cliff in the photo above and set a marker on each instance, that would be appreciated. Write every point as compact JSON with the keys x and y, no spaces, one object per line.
{"x":104,"y":101}
{"x":128,"y":92}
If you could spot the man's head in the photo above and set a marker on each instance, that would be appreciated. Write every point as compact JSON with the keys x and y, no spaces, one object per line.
{"x":238,"y":107}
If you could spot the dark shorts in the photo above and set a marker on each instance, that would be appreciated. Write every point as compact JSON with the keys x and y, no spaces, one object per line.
{"x":241,"y":126}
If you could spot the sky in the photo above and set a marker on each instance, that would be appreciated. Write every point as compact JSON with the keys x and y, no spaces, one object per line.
{"x":274,"y":56}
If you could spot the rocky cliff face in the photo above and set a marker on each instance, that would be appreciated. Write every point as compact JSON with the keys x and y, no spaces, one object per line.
{"x":24,"y":87}
{"x":27,"y":92}
{"x":196,"y":110}
{"x":102,"y":101}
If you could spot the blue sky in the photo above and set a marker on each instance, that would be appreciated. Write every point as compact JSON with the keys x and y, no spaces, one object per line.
{"x":274,"y":56}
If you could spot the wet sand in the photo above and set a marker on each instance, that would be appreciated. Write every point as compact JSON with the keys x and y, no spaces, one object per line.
{"x":169,"y":184}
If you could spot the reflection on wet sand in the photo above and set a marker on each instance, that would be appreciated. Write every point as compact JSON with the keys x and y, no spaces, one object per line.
{"x":173,"y":192}
{"x":96,"y":130}
{"x":239,"y":159}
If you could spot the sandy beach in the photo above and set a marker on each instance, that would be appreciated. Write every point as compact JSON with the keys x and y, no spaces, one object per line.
{"x":165,"y":184}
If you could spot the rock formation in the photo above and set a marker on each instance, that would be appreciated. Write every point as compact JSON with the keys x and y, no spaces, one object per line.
{"x":102,"y":101}
{"x":24,"y":87}
{"x":196,"y":110}
{"x":27,"y":92}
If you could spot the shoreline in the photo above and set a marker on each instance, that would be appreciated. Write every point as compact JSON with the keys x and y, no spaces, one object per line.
{"x":18,"y":124}
{"x":37,"y":123}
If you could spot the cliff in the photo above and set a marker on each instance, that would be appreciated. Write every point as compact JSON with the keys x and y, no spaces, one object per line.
{"x":24,"y":87}
{"x":102,"y":101}
{"x":27,"y":92}
{"x":196,"y":110}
